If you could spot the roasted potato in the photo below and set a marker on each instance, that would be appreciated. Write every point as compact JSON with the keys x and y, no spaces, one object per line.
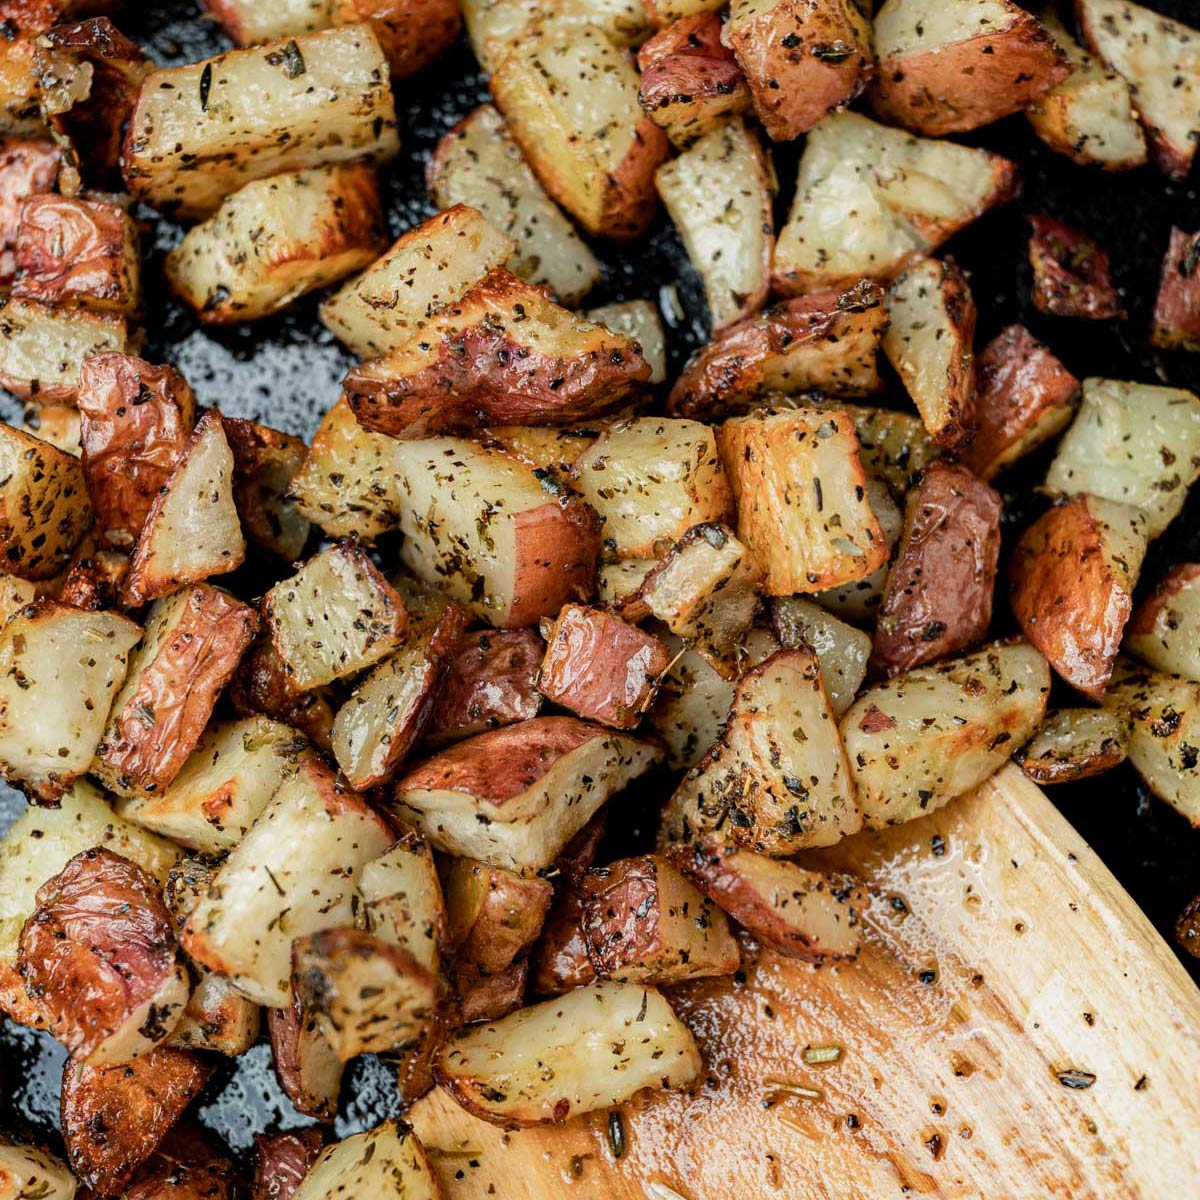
{"x":31,"y":1171}
{"x":1132,"y":443}
{"x":553,"y":449}
{"x":1165,"y":629}
{"x":514,"y":797}
{"x":1177,"y":306}
{"x":665,"y":12}
{"x":718,"y":193}
{"x":28,"y":167}
{"x":1023,"y":397}
{"x":806,"y":537}
{"x":381,"y":1163}
{"x":691,"y":82}
{"x":263,"y":686}
{"x":570,"y":98}
{"x":600,"y":667}
{"x":401,"y":901}
{"x":1073,"y":744}
{"x":191,"y":646}
{"x":871,"y":199}
{"x":1187,"y":927}
{"x":802,"y":59}
{"x":301,"y":858}
{"x":827,"y":342}
{"x":167,"y":1178}
{"x":93,"y":580}
{"x":619,"y":587}
{"x":477,"y":163}
{"x":841,"y":649}
{"x":217,"y":1018}
{"x":265,"y":462}
{"x":98,"y":957}
{"x":20,"y":90}
{"x":1070,"y":273}
{"x":639,"y":321}
{"x":308,"y":1070}
{"x":919,"y":740}
{"x":199,"y":132}
{"x":607,"y":1042}
{"x":895,"y":446}
{"x":283,"y":1160}
{"x":135,"y":421}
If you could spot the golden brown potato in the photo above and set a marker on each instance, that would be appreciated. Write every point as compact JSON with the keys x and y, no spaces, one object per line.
{"x":505,"y":354}
{"x":28,"y":167}
{"x":191,"y":646}
{"x":691,"y":82}
{"x":1165,"y":629}
{"x":135,"y":421}
{"x":265,"y":462}
{"x":938,"y":598}
{"x":114,"y":1117}
{"x":1074,"y":743}
{"x":1023,"y":397}
{"x":1072,"y":578}
{"x":825,"y":342}
{"x":57,"y":424}
{"x":283,"y":1160}
{"x":570,"y":98}
{"x":1177,"y":306}
{"x":98,"y":956}
{"x":600,"y":667}
{"x":949,"y":68}
{"x":809,"y":536}
{"x":262,"y":685}
{"x":1070,"y":273}
{"x":308,"y":1070}
{"x":802,"y":59}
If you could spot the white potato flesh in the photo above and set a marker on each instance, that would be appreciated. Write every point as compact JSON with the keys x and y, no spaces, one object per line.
{"x":401,"y":900}
{"x":381,"y":1164}
{"x":27,"y":1173}
{"x":1165,"y":630}
{"x":841,"y":649}
{"x":619,"y":585}
{"x":217,"y":1018}
{"x":605,"y":1042}
{"x":639,"y":320}
{"x":904,"y":26}
{"x":201,"y":131}
{"x":15,"y":594}
{"x":857,"y":601}
{"x":250,"y":21}
{"x":478,"y":164}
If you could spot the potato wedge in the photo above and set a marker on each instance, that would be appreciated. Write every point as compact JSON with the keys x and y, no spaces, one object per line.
{"x":28,"y":167}
{"x":192,"y":530}
{"x":802,"y":504}
{"x":827,"y":342}
{"x":265,"y":462}
{"x":1165,"y":629}
{"x":308,"y":1070}
{"x":302,"y":857}
{"x":283,"y":1161}
{"x":1160,"y":59}
{"x":31,"y":1171}
{"x":1073,"y":744}
{"x":275,"y":240}
{"x":401,"y":901}
{"x":478,"y":164}
{"x":384,"y":1162}
{"x":804,"y":914}
{"x":514,"y":797}
{"x":1070,"y":273}
{"x":1177,"y":306}
{"x":1132,"y":443}
{"x":919,"y":740}
{"x":718,"y":193}
{"x":930,"y":341}
{"x":570,"y":98}
{"x":201,"y":131}
{"x":841,"y":649}
{"x":802,"y":60}
{"x":639,"y":321}
{"x":871,"y":199}
{"x":505,"y":354}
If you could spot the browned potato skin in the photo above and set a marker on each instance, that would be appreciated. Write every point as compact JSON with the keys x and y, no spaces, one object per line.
{"x":803,"y":60}
{"x":1070,"y":273}
{"x":113,"y":1118}
{"x":962,"y":85}
{"x":691,"y":82}
{"x":491,"y":997}
{"x":484,"y":375}
{"x":1177,"y":306}
{"x":1023,"y":396}
{"x":180,"y":688}
{"x":94,"y":579}
{"x":258,"y":452}
{"x":285,"y":1027}
{"x":843,"y":328}
{"x":601,"y":667}
{"x":1187,"y":927}
{"x":938,"y":598}
{"x":136,"y":419}
{"x":412,"y":32}
{"x":190,"y":1173}
{"x":560,"y":960}
{"x":1048,"y":771}
{"x":283,"y":1161}
{"x":28,"y":167}
{"x":98,"y":945}
{"x":261,"y":685}
{"x":1146,"y":616}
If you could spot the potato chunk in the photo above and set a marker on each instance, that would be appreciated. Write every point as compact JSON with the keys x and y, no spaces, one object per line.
{"x":1074,"y":744}
{"x":401,"y":902}
{"x":380,"y":1164}
{"x":802,"y":504}
{"x":44,"y":505}
{"x":283,"y":1161}
{"x":1177,"y":306}
{"x":30,"y":1171}
{"x":639,"y":321}
{"x":919,"y":740}
{"x":265,"y":462}
{"x":201,"y":131}
{"x":275,"y":240}
{"x":841,"y":649}
{"x":1165,"y":629}
{"x":28,"y":167}
{"x":1070,"y":273}
{"x":607,"y":1043}
{"x":308,"y":1070}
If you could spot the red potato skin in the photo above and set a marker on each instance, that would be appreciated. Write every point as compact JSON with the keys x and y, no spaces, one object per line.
{"x":284,"y":1160}
{"x":490,"y":997}
{"x":412,"y":32}
{"x":491,"y":682}
{"x":113,"y":1118}
{"x":1070,"y":273}
{"x":99,"y":944}
{"x":284,"y":1027}
{"x":253,"y":447}
{"x":560,"y":959}
{"x":28,"y":167}
{"x":601,"y":667}
{"x":1023,"y":395}
{"x":557,"y":548}
{"x":179,"y":689}
{"x":1177,"y":306}
{"x":938,"y":598}
{"x":169,"y":1180}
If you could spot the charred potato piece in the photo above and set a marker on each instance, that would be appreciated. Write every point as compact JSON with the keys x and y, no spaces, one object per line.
{"x":28,"y":167}
{"x":265,"y":462}
{"x":607,"y":1043}
{"x":919,"y":740}
{"x":283,"y":1160}
{"x":826,"y":342}
{"x":600,"y":667}
{"x":31,"y":1171}
{"x":1165,"y":629}
{"x":802,"y":59}
{"x":1070,"y":273}
{"x":275,"y":240}
{"x":841,"y":649}
{"x":938,"y":598}
{"x":1177,"y":306}
{"x":1073,"y":744}
{"x":98,"y":956}
{"x":514,"y":797}
{"x":477,"y":163}
{"x":94,"y":579}
{"x":308,"y":1070}
{"x":201,"y":131}
{"x":1023,"y":397}
{"x":718,"y":194}
{"x":401,"y":901}
{"x":639,"y":321}
{"x":383,"y":1162}
{"x":191,"y":646}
